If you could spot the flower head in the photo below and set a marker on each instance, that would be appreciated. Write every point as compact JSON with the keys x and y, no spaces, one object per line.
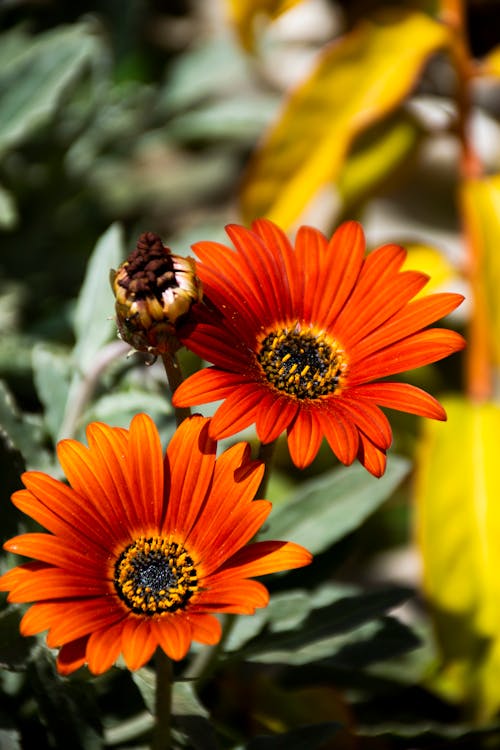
{"x":153,"y":289}
{"x":300,"y":338}
{"x":143,"y":549}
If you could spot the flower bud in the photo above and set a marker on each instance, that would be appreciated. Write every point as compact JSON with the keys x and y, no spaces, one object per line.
{"x":153,"y":289}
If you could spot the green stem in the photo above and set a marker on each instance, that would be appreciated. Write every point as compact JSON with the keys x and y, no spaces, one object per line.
{"x":163,"y":702}
{"x":266,"y":455}
{"x":175,"y":378}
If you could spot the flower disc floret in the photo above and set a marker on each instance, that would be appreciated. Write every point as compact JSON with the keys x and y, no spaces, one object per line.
{"x":155,"y":575}
{"x":300,"y":362}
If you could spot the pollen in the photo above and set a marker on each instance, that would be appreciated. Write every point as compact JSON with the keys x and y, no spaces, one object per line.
{"x":155,"y":575}
{"x":302,"y":362}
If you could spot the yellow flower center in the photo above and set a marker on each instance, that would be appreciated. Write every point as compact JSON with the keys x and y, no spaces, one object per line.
{"x":155,"y":575}
{"x":302,"y":362}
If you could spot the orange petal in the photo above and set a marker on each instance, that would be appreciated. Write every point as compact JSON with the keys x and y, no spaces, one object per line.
{"x":146,"y":470}
{"x":174,"y":635}
{"x":283,"y":258}
{"x":340,"y":432}
{"x":139,"y":641}
{"x":235,"y":529}
{"x":237,"y":412}
{"x":72,"y":656}
{"x":275,"y":414}
{"x":368,"y":418}
{"x":104,"y":648}
{"x":420,"y":349}
{"x":261,"y":558}
{"x":236,"y":596}
{"x":415,"y":316}
{"x":401,"y":396}
{"x":304,"y":438}
{"x":371,"y":457}
{"x":205,"y":629}
{"x":209,"y":384}
{"x":342,"y":265}
{"x":86,"y":560}
{"x":189,"y":463}
{"x":79,"y":618}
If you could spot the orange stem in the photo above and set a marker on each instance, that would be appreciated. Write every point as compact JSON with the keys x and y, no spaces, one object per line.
{"x":478,"y":355}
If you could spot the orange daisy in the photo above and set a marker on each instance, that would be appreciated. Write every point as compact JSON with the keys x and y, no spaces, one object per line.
{"x":300,"y":338}
{"x":143,"y":549}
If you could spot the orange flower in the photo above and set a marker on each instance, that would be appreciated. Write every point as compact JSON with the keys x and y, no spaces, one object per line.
{"x":142,"y":550}
{"x":298,"y":337}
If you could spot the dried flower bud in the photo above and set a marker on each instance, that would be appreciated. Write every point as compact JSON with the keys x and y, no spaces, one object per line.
{"x":153,"y":289}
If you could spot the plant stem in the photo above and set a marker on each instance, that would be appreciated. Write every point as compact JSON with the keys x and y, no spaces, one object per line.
{"x":83,"y":386}
{"x":478,"y":364}
{"x":163,"y":702}
{"x":266,"y":455}
{"x":175,"y":378}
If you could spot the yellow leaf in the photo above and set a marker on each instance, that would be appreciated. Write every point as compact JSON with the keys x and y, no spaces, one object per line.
{"x":434,"y":263}
{"x":481,"y":202}
{"x":491,"y":63}
{"x":377,"y":154}
{"x":358,"y":80}
{"x":458,"y":531}
{"x":244,"y":14}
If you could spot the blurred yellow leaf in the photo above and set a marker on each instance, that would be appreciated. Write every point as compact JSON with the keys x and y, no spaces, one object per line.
{"x":434,"y":263}
{"x":358,"y":80}
{"x":244,"y":14}
{"x":481,"y":203}
{"x":376,"y":156}
{"x":491,"y":63}
{"x":458,"y":530}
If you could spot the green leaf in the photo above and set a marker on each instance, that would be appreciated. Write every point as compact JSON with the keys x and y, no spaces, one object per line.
{"x":191,"y":718}
{"x":33,"y":81}
{"x":8,"y":210}
{"x":343,"y":616}
{"x":10,"y":739}
{"x":326,"y":508}
{"x":67,"y":707}
{"x":52,"y":374}
{"x":93,"y":322}
{"x":22,"y":432}
{"x":15,"y":650}
{"x":145,"y":679}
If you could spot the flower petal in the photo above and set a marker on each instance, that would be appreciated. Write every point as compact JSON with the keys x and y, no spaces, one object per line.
{"x":340,"y":432}
{"x":403,"y":397}
{"x":103,"y":648}
{"x":72,"y":656}
{"x":304,"y":438}
{"x":420,"y":349}
{"x":138,"y":642}
{"x":237,"y":412}
{"x":174,"y":635}
{"x":260,"y":558}
{"x":146,"y":470}
{"x":371,"y":457}
{"x":189,"y":463}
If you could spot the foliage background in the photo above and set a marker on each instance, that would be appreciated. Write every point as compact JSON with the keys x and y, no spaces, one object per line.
{"x":179,"y":117}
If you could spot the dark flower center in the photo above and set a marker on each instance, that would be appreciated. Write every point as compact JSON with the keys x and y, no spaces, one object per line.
{"x":155,"y":575}
{"x":302,"y":363}
{"x":149,"y":268}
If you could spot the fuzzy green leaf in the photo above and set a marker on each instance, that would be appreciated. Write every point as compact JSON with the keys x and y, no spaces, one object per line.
{"x":325,"y":509}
